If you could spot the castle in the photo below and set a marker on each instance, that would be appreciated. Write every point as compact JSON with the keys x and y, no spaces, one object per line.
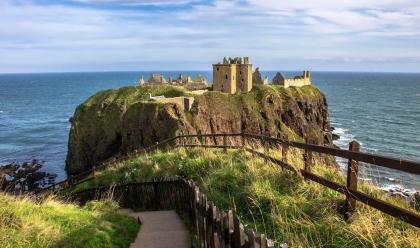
{"x":233,"y":75}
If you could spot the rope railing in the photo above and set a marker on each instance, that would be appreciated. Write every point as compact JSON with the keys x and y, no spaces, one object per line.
{"x":353,"y":155}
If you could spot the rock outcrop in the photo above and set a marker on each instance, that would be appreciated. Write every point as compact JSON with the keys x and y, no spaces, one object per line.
{"x":26,"y":176}
{"x":121,"y":120}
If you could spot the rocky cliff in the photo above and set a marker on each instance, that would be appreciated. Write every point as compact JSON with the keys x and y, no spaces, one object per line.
{"x":120,"y":120}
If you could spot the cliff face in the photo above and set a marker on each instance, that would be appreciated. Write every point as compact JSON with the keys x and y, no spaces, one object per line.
{"x":118,"y":121}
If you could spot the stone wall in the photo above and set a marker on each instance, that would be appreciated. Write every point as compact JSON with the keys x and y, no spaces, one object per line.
{"x":224,"y":78}
{"x":297,"y":81}
{"x":244,"y":77}
{"x":184,"y":102}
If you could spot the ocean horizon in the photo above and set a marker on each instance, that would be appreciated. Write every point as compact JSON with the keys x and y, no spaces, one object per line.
{"x":381,"y":110}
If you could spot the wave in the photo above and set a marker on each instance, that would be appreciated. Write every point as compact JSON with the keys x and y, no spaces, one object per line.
{"x":387,"y":183}
{"x":397,"y":188}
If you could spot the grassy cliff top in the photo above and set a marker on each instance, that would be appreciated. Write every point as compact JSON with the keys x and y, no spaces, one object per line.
{"x":133,"y":94}
{"x":27,"y":223}
{"x":278,"y":203}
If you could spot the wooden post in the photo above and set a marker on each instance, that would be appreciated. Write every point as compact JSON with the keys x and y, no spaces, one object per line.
{"x":267,"y":147}
{"x":270,"y":243}
{"x":225,"y":229}
{"x":352,"y":170}
{"x":251,"y":239}
{"x":224,"y":143}
{"x":93,"y":171}
{"x":237,"y":239}
{"x":307,"y":158}
{"x":260,"y":240}
{"x":284,"y":149}
{"x":230,"y":228}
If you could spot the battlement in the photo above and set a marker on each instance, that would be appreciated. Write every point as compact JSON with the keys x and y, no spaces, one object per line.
{"x":234,"y":61}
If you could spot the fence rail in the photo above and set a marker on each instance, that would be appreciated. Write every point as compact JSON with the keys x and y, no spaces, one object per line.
{"x":241,"y":140}
{"x":214,"y":228}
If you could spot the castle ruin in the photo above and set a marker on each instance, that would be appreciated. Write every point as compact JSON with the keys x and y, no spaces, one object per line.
{"x":233,"y":75}
{"x":156,"y":79}
{"x":199,"y":83}
{"x":257,"y":78}
{"x":297,"y":81}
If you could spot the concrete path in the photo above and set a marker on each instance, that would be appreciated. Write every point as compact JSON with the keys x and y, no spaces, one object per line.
{"x":160,"y":229}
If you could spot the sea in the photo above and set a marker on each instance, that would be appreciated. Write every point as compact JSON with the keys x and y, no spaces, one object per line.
{"x":379,"y":110}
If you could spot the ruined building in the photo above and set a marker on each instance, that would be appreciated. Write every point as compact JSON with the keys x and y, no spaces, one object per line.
{"x":257,"y":79}
{"x":156,"y":79}
{"x":298,"y":81}
{"x":199,"y":83}
{"x":233,"y":75}
{"x":184,"y":102}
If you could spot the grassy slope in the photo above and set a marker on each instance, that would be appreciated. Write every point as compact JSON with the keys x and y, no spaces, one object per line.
{"x":25,"y":223}
{"x":276,"y":202}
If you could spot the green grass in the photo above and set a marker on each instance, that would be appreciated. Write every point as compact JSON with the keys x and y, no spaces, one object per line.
{"x":276,"y":202}
{"x":25,"y":222}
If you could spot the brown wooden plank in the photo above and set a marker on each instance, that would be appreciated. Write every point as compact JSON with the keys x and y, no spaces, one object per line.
{"x":273,"y":160}
{"x":393,"y":163}
{"x":236,"y":232}
{"x":400,"y":213}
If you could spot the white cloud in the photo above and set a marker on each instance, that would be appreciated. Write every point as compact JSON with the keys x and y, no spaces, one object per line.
{"x":266,"y":30}
{"x":140,"y":2}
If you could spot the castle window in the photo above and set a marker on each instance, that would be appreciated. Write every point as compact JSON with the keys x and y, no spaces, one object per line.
{"x":217,"y":68}
{"x":240,"y":73}
{"x":233,"y":77}
{"x":242,"y":79}
{"x":226,"y":76}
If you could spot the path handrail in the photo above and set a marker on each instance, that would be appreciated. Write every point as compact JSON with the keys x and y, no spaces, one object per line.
{"x":353,"y":155}
{"x":214,"y":227}
{"x":384,"y":161}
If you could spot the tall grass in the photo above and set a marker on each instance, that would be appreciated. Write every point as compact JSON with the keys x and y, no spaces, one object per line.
{"x":25,"y":222}
{"x":279,"y":203}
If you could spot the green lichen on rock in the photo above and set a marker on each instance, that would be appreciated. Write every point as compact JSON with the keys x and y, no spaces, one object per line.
{"x":121,"y":120}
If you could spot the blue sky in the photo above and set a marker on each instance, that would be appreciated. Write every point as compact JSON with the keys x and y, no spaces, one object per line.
{"x":111,"y":35}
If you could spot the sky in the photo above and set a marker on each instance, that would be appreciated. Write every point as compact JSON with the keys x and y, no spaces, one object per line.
{"x":139,"y":35}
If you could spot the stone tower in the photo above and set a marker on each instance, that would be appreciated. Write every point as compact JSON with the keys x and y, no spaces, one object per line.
{"x":307,"y":76}
{"x":141,"y":81}
{"x":233,"y":75}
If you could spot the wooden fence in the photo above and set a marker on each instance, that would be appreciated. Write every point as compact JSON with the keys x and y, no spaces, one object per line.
{"x":214,"y":228}
{"x":247,"y":141}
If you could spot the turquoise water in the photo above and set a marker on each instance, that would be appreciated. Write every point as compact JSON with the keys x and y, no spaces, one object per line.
{"x":380,"y":110}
